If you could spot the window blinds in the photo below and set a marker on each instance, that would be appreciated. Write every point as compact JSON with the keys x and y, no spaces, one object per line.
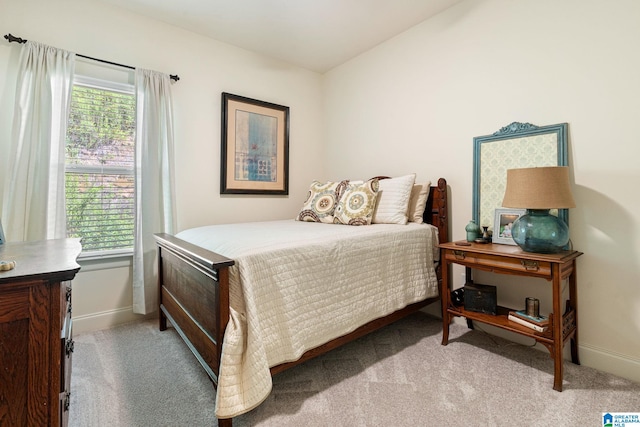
{"x":100,"y":151}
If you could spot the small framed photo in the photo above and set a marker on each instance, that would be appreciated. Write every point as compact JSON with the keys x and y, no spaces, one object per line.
{"x":503,"y":223}
{"x":255,"y":147}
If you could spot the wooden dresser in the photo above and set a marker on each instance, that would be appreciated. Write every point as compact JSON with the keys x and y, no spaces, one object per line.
{"x":35,"y":332}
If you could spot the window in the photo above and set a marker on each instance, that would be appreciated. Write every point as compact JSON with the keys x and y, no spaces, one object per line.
{"x":99,"y":166}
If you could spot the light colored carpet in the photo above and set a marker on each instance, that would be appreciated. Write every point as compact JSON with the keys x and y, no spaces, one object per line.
{"x":135,"y":375}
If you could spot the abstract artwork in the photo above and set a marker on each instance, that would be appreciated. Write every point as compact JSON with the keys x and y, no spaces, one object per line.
{"x":255,"y":146}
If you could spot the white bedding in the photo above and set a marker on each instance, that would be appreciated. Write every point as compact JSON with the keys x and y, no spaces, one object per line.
{"x":296,"y":285}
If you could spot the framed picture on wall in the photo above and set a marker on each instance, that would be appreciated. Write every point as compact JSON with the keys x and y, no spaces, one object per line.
{"x":503,"y":222}
{"x":255,"y":147}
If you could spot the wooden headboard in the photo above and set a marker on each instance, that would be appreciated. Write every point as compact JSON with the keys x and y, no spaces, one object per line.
{"x":437,"y":210}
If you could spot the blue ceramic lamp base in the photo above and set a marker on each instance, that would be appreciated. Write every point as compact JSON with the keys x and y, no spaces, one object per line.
{"x":540,"y":232}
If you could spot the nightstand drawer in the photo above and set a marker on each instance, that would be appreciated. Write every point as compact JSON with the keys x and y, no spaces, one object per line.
{"x":498,"y":263}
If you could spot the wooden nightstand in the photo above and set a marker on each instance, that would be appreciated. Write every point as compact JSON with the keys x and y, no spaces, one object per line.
{"x":35,"y":332}
{"x":512,"y":260}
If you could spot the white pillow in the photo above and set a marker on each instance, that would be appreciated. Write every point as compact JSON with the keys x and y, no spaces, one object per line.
{"x":393,"y":200}
{"x":418,"y":201}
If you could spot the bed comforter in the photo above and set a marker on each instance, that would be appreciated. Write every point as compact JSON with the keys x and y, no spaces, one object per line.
{"x":296,"y":285}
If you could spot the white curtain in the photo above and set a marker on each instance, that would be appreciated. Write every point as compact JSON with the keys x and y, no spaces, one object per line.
{"x":34,"y":203}
{"x":154,"y":182}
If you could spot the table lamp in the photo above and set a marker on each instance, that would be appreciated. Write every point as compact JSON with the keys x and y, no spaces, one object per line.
{"x":537,"y":190}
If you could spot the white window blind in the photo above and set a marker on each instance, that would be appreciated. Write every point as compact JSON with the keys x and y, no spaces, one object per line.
{"x":99,"y":172}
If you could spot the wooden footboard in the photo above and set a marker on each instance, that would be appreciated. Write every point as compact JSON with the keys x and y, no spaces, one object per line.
{"x":193,"y":289}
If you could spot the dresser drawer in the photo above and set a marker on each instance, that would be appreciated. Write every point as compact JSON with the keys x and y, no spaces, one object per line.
{"x":490,"y":262}
{"x":66,"y":353}
{"x":65,"y":300}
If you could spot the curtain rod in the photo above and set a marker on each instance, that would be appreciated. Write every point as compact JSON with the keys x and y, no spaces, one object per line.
{"x":12,"y":38}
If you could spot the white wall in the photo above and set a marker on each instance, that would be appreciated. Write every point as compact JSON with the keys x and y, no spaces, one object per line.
{"x":206,"y":69}
{"x":414,"y":103}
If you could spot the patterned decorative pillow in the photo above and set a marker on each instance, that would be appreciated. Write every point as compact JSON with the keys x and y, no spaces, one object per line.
{"x":418,"y":201}
{"x":357,"y":203}
{"x":393,"y":200}
{"x":321,"y":201}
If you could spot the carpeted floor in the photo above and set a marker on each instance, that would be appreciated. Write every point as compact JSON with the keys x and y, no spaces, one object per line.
{"x":135,"y":375}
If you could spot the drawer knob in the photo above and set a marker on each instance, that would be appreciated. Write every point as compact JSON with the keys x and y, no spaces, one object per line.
{"x":459,"y":254}
{"x":530,"y":265}
{"x":69,"y":347}
{"x":67,"y":400}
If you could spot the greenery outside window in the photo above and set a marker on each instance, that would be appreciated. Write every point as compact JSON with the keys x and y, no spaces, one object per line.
{"x":99,"y":167}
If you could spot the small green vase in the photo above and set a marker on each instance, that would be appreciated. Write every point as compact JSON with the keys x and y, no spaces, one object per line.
{"x":473,"y":231}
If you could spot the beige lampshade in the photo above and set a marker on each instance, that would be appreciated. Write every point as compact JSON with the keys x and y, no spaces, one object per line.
{"x":538,"y":188}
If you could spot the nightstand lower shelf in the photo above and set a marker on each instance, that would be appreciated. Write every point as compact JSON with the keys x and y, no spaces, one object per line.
{"x":500,"y":320}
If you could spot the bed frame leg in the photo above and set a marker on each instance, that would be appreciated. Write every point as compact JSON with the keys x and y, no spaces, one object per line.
{"x":225,"y":422}
{"x":162,"y":321}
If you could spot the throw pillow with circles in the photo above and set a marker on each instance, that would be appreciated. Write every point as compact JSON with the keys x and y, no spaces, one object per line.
{"x":357,"y":203}
{"x":321,"y":202}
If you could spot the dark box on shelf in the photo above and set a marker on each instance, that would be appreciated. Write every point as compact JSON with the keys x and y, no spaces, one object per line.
{"x":480,"y":298}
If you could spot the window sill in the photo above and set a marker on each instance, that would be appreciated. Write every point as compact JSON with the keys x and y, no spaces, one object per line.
{"x":105,"y":262}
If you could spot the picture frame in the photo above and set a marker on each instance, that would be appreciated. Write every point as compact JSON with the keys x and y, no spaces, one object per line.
{"x":501,"y":225}
{"x":517,"y":145}
{"x":254,"y":147}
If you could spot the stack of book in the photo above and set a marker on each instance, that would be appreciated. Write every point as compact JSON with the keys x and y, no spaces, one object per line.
{"x":539,"y":324}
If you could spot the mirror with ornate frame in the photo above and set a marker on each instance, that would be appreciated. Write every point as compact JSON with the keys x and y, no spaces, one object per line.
{"x":518,"y":145}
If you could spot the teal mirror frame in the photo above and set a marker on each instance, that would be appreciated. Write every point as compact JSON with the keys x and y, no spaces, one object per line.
{"x":518,"y":145}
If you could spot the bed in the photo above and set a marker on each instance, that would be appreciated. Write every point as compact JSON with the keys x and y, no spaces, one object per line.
{"x":295,"y":308}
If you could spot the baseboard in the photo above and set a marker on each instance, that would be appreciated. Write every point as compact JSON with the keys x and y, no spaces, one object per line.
{"x":107,"y":319}
{"x":607,"y":361}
